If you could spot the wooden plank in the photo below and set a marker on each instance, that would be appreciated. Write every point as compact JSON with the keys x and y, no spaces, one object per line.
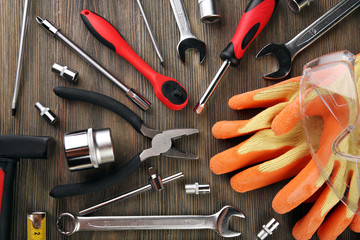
{"x":35,"y":178}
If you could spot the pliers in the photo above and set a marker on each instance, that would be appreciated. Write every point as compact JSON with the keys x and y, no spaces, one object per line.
{"x":161,"y":143}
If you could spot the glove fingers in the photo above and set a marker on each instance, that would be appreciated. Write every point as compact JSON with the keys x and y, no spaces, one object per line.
{"x":230,"y":129}
{"x":264,"y":145}
{"x":336,"y":223}
{"x":307,"y":226}
{"x":265,"y":97}
{"x":276,"y":170}
{"x":316,"y":195}
{"x":355,"y":224}
{"x":287,"y":119}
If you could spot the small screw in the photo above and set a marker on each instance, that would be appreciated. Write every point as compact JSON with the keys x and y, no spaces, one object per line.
{"x":46,"y":113}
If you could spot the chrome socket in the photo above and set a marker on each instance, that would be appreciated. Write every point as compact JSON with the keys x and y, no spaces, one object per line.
{"x":208,"y":12}
{"x":297,"y":5}
{"x":46,"y":113}
{"x":88,"y":149}
{"x":268,"y":229}
{"x":197,"y":188}
{"x":65,"y":72}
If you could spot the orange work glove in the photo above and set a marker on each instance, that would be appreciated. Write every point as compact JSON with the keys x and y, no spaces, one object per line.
{"x":280,"y":142}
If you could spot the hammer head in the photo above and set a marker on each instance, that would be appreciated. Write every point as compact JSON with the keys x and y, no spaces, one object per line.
{"x":223,"y":219}
{"x":191,"y":43}
{"x":283,"y":57}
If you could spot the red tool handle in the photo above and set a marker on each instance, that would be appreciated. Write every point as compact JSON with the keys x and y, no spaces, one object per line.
{"x":7,"y":177}
{"x":256,"y":16}
{"x":167,"y":90}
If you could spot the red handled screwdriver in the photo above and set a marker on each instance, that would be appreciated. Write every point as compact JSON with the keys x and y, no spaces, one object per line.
{"x":256,"y":16}
{"x":167,"y":89}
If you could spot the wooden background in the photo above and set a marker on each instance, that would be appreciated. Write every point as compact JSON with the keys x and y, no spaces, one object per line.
{"x":35,"y":178}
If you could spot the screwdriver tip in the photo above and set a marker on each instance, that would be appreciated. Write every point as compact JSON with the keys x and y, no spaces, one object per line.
{"x":39,"y":19}
{"x":13,"y":112}
{"x":199,"y":108}
{"x":162,"y":63}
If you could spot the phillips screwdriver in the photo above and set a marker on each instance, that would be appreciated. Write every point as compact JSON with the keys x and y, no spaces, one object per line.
{"x":130,"y":93}
{"x":256,"y":16}
{"x":167,"y":89}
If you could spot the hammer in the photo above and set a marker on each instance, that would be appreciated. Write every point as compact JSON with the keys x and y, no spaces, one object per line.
{"x":12,"y":148}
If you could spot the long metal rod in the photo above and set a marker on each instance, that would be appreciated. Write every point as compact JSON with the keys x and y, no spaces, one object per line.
{"x":20,"y":56}
{"x":134,"y":96}
{"x":210,"y":90}
{"x":129,"y":194}
{"x":150,"y":33}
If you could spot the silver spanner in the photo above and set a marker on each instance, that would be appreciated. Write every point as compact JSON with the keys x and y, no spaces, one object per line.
{"x":285,"y":53}
{"x":187,"y":38}
{"x":68,"y":224}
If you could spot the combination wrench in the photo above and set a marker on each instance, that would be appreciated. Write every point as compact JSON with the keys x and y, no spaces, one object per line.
{"x":69,"y":224}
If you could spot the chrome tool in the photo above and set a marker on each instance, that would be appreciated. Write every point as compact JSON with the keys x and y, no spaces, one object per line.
{"x":20,"y":56}
{"x":148,"y":27}
{"x":285,"y":53}
{"x":156,"y":183}
{"x":69,"y":224}
{"x":187,"y":38}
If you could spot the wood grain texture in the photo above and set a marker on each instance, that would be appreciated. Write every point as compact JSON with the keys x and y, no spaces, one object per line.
{"x":35,"y":178}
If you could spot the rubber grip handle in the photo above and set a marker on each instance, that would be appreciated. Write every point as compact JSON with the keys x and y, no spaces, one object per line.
{"x":18,"y":146}
{"x":167,"y":90}
{"x":98,"y":184}
{"x":256,"y":16}
{"x":100,"y":100}
{"x":7,"y":177}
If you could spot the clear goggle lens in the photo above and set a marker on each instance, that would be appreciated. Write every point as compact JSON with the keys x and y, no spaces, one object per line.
{"x":329,"y":101}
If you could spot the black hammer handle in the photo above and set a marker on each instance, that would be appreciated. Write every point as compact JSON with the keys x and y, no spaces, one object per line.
{"x":12,"y":148}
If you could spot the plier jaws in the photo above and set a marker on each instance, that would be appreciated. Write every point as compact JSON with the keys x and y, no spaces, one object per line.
{"x":161,"y":144}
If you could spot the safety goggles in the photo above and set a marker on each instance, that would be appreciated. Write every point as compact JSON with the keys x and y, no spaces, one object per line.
{"x":329,"y":100}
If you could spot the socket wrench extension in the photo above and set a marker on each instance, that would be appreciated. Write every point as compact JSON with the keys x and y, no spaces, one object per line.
{"x":130,"y":93}
{"x":155,"y":183}
{"x":68,"y":224}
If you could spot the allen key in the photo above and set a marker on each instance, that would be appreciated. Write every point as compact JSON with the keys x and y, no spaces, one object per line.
{"x":155,"y":183}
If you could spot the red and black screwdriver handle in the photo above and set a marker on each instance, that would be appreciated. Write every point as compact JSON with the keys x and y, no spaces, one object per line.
{"x":256,"y":16}
{"x":12,"y":148}
{"x":116,"y":176}
{"x":166,"y":89}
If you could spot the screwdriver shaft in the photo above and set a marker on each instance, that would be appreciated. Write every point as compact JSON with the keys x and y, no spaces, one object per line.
{"x":20,"y":56}
{"x":150,"y":32}
{"x":210,"y":90}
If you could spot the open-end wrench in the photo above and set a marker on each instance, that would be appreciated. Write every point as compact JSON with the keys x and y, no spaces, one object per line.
{"x":187,"y":38}
{"x":68,"y":224}
{"x":285,"y":53}
{"x":167,"y":90}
